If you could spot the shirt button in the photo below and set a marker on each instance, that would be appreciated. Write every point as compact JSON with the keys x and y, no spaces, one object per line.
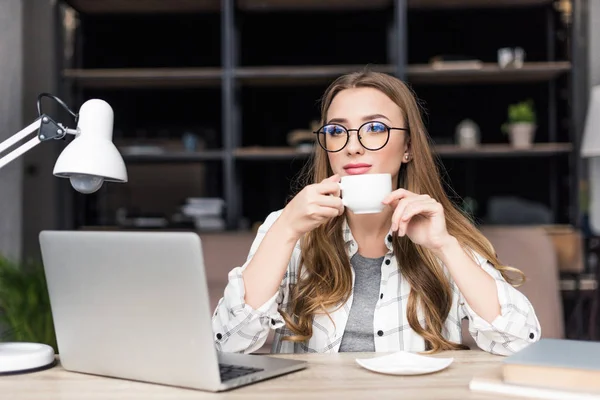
{"x":381,"y":296}
{"x":387,"y":262}
{"x":531,"y":335}
{"x":219,"y":336}
{"x":272,"y":321}
{"x":379,"y":333}
{"x":389,"y":238}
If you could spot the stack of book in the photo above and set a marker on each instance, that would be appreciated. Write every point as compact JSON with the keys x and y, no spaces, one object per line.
{"x":548,"y":369}
{"x":207,"y":213}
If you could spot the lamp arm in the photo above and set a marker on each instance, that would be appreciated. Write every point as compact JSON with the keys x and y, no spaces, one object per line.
{"x":48,"y":129}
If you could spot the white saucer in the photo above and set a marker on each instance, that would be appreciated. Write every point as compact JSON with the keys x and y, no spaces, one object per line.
{"x":404,"y":363}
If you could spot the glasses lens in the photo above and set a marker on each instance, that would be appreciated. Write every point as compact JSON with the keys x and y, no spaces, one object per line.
{"x":373,"y":135}
{"x":333,"y":137}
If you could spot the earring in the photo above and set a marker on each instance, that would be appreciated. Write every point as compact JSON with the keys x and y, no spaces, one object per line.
{"x":406,"y":157}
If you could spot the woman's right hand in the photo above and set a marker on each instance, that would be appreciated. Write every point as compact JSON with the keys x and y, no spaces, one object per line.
{"x":313,"y":206}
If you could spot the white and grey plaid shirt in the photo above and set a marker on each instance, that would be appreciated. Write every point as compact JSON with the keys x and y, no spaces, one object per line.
{"x":239,"y":328}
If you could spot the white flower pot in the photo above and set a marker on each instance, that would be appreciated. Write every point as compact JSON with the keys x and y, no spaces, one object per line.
{"x":521,"y":134}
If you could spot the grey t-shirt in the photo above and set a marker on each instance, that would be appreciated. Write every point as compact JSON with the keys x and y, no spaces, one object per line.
{"x":358,"y":335}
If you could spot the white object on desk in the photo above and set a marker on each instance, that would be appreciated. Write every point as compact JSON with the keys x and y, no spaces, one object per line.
{"x":404,"y":363}
{"x":18,"y":357}
{"x":88,"y":161}
{"x":590,"y":149}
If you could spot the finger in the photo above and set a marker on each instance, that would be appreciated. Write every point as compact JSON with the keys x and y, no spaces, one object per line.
{"x":398,"y":211}
{"x":425,"y":208}
{"x":401,"y":206}
{"x":325,"y":213}
{"x":332,"y":178}
{"x":328,"y":188}
{"x":397,"y":195}
{"x":330,"y":201}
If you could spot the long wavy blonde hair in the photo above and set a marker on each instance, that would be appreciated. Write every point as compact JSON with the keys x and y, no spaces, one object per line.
{"x":325,"y":277}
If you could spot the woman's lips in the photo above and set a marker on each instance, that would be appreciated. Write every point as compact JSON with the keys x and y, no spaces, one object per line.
{"x":357,"y":169}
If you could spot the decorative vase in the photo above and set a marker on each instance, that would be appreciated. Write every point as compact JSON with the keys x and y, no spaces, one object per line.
{"x":521,"y":134}
{"x":467,"y":134}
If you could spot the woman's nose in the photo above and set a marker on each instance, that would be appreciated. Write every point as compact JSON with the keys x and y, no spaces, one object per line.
{"x":354,"y":146}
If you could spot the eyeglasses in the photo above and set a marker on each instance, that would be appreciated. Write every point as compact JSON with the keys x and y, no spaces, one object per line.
{"x":372,"y":135}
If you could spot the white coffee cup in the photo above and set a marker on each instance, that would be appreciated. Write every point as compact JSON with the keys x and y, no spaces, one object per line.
{"x":363,"y":194}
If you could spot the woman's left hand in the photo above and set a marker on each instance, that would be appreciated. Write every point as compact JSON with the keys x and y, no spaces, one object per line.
{"x":419,"y":217}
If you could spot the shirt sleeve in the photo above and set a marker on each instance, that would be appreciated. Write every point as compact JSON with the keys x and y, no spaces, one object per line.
{"x":515,"y":328}
{"x":237,"y":327}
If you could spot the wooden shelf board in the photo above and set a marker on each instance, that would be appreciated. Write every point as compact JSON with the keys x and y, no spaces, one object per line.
{"x":444,"y":151}
{"x":269,"y":153}
{"x":143,"y":6}
{"x":503,"y":150}
{"x":287,"y":5}
{"x":304,"y":74}
{"x":439,"y":4}
{"x":187,"y":6}
{"x":274,"y":75}
{"x":145,"y":77}
{"x":489,"y":73}
{"x":174,"y":157}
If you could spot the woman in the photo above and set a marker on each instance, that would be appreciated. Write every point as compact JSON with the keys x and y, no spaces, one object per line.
{"x":328,"y":280}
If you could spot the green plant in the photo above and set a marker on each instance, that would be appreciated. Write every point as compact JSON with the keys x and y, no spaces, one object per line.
{"x":25,"y":311}
{"x":520,"y":112}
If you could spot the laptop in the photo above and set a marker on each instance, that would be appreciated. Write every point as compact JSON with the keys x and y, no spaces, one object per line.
{"x":135,"y":305}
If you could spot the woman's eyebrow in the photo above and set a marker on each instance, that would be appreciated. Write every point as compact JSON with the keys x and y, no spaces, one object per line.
{"x":365,"y":118}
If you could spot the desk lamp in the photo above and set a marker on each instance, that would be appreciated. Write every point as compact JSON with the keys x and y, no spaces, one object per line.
{"x":590,"y":148}
{"x":88,"y":161}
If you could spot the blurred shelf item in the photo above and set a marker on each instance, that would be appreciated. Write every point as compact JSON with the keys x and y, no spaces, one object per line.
{"x":438,"y":4}
{"x":488,"y":73}
{"x":144,"y":77}
{"x":143,"y":6}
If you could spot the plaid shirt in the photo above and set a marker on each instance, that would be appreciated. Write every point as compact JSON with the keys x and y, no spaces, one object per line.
{"x":240,"y":328}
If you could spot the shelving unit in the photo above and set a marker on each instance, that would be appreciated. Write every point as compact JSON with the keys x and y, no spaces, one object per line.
{"x":249,"y":83}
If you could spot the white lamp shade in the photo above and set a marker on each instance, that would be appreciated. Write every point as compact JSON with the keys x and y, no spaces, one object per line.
{"x":590,"y":146}
{"x":92,"y":152}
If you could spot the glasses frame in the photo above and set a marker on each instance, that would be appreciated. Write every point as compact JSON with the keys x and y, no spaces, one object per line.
{"x":389,"y":129}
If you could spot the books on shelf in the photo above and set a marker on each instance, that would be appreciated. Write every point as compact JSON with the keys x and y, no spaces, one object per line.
{"x":206,"y":213}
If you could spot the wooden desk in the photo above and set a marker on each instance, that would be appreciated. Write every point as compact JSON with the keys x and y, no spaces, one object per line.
{"x":328,"y":376}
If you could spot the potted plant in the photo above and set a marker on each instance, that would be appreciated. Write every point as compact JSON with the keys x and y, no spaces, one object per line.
{"x":521,"y":124}
{"x":25,"y":313}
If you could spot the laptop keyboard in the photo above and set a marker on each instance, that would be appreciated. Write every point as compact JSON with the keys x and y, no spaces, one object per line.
{"x":235,"y":371}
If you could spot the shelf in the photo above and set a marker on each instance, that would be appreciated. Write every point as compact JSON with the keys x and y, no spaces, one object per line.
{"x":258,"y":153}
{"x":489,"y":73}
{"x":143,"y":6}
{"x":144,"y":77}
{"x":440,"y":4}
{"x":303,"y":74}
{"x":188,"y":6}
{"x":173,"y":157}
{"x":503,"y":150}
{"x":287,"y":5}
{"x":277,"y":75}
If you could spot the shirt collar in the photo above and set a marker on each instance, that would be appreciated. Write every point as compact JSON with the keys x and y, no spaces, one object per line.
{"x":351,"y":244}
